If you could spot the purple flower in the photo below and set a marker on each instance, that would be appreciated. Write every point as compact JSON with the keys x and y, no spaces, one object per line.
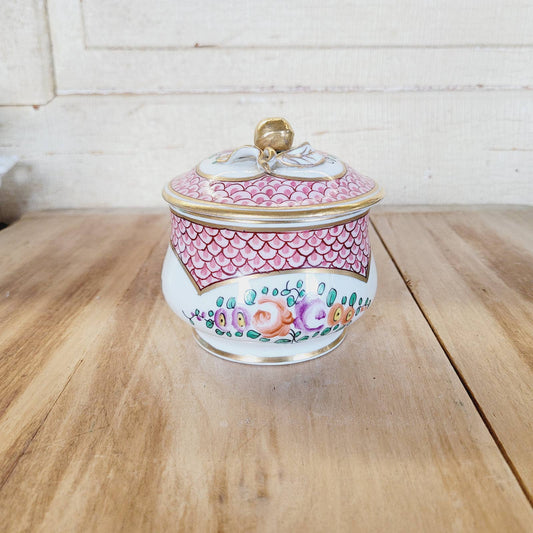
{"x":310,"y":314}
{"x":221,"y":320}
{"x":240,"y":318}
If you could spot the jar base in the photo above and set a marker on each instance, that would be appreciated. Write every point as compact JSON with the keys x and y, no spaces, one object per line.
{"x":270,"y":355}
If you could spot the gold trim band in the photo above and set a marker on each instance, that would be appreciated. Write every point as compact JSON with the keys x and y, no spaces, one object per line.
{"x":265,"y":360}
{"x":287,"y":215}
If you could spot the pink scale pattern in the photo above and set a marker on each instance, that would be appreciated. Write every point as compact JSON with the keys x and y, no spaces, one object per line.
{"x":270,"y":191}
{"x":212,"y":254}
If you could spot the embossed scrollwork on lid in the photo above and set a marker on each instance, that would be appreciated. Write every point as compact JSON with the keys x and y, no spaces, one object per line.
{"x":248,"y":162}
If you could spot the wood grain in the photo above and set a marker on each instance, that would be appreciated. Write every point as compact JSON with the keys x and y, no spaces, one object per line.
{"x":53,"y":280}
{"x":117,"y":421}
{"x":472,"y":275}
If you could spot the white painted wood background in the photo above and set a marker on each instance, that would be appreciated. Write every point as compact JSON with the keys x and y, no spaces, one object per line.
{"x":104,"y":101}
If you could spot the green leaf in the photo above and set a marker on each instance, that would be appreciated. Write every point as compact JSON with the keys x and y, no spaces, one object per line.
{"x":321,"y":288}
{"x":218,"y":332}
{"x":196,"y":312}
{"x":264,"y":339}
{"x":353,"y":298}
{"x":230,"y":304}
{"x":209,"y":323}
{"x":210,"y":313}
{"x":297,"y":334}
{"x":336,"y":326}
{"x":316,"y":333}
{"x":291,"y":301}
{"x":343,"y":301}
{"x":220,"y":301}
{"x":238,"y":334}
{"x":275,"y":292}
{"x":332,"y":294}
{"x":228,"y":333}
{"x":325,"y":331}
{"x":284,"y":292}
{"x":360,"y":301}
{"x":299,"y":283}
{"x":304,"y":338}
{"x":282,"y":341}
{"x":249,"y":296}
{"x":253,"y":334}
{"x":264,"y":290}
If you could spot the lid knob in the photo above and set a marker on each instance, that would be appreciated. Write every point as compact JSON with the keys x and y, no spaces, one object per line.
{"x":275,"y":133}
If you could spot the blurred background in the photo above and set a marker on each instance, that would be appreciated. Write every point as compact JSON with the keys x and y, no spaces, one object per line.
{"x":103,"y":101}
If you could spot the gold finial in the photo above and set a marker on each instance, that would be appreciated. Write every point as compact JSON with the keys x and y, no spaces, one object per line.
{"x":275,"y":133}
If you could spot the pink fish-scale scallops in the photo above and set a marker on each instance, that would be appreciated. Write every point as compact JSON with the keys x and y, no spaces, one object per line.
{"x":211,"y":254}
{"x":270,"y":191}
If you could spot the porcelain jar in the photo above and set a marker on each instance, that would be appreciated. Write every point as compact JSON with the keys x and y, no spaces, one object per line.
{"x":269,"y":258}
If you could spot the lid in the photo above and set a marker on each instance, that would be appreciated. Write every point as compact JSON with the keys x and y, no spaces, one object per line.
{"x":272,"y":182}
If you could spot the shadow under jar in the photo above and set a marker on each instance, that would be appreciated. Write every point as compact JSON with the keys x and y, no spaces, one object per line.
{"x":269,"y":258}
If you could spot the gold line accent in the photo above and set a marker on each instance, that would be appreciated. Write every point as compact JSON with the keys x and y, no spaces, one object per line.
{"x":189,"y":275}
{"x":281,"y":156}
{"x":263,"y":360}
{"x":303,"y":271}
{"x":276,"y":229}
{"x":274,"y":214}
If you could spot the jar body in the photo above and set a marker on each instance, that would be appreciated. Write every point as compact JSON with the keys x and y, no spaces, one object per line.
{"x":269,"y":295}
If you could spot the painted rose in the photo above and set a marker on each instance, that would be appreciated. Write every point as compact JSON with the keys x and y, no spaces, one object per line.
{"x":348,"y":314}
{"x":335,"y":314}
{"x":221,"y":319}
{"x":310,"y":314}
{"x":240,"y":318}
{"x":273,"y":318}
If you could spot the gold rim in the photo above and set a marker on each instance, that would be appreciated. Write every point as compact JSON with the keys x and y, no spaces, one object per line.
{"x":261,"y":360}
{"x":255,"y":214}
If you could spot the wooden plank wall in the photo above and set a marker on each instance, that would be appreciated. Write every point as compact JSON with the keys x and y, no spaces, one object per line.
{"x":104,"y":101}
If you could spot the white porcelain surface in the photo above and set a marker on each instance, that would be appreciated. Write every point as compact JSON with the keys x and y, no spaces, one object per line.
{"x":194,"y":308}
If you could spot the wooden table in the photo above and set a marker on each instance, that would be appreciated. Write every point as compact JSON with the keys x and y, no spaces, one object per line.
{"x":112,"y":419}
